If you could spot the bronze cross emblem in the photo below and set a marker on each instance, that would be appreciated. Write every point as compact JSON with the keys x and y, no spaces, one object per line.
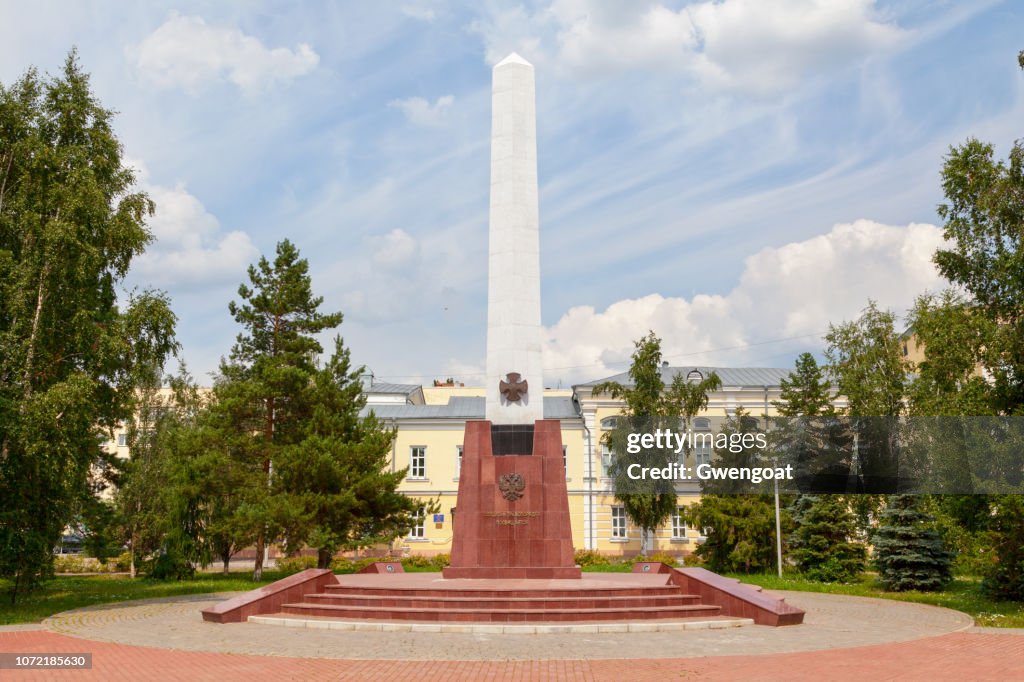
{"x":513,"y":388}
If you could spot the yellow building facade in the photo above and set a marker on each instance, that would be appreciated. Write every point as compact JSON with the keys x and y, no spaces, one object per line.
{"x":430,"y":423}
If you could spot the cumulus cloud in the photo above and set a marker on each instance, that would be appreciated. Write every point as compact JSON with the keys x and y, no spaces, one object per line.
{"x":190,"y":249}
{"x":186,"y":52}
{"x":766,"y":47}
{"x":754,"y":46}
{"x":795,"y":290}
{"x":420,"y":111}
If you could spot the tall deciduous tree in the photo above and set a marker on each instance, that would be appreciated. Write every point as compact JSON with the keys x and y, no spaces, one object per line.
{"x":267,"y":383}
{"x":865,"y":362}
{"x":956,"y":340}
{"x":984,"y":223}
{"x":70,"y":225}
{"x":984,"y":226}
{"x":650,"y":403}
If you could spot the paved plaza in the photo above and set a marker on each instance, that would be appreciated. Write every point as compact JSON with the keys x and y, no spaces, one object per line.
{"x":843,"y":638}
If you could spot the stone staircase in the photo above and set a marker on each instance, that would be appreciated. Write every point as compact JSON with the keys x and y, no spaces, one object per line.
{"x":382,"y":596}
{"x":504,"y":601}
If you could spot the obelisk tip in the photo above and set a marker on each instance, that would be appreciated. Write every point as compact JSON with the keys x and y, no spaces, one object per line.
{"x":513,"y":58}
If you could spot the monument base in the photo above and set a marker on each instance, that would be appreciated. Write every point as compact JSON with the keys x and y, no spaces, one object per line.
{"x":512,"y":518}
{"x":506,"y":573}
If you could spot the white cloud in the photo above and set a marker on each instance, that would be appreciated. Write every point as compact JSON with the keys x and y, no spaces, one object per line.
{"x":397,"y":249}
{"x":754,"y":46}
{"x":794,"y":290}
{"x":190,"y":250}
{"x":421,"y":112}
{"x":767,"y":47}
{"x":186,"y":52}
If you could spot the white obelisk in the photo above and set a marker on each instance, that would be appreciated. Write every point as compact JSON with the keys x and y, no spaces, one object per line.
{"x":513,"y":275}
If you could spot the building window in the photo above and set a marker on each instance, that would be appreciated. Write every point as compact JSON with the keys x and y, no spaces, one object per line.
{"x":565,"y":458}
{"x":606,"y":458}
{"x":702,"y":449}
{"x":678,"y":525}
{"x":458,"y":461}
{"x":609,"y":423}
{"x":122,"y":440}
{"x":418,"y":461}
{"x":418,"y":530}
{"x":702,"y":439}
{"x":619,"y":522}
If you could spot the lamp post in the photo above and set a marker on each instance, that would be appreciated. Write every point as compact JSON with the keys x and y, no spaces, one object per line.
{"x":778,"y":514}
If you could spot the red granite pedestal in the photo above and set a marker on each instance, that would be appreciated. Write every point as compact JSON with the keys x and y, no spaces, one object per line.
{"x":497,"y":537}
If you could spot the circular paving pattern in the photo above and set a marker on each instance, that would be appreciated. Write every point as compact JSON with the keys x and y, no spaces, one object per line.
{"x":832,"y":621}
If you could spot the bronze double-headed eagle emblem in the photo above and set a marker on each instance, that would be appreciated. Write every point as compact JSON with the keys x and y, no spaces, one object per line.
{"x":512,"y":387}
{"x":512,"y":486}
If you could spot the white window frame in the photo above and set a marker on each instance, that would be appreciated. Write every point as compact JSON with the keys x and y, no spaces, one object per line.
{"x":679,"y":527}
{"x":417,"y":470}
{"x":419,"y":527}
{"x":565,"y":458}
{"x":702,"y":454}
{"x":122,"y":439}
{"x":607,"y":454}
{"x":620,"y":527}
{"x":458,"y":462}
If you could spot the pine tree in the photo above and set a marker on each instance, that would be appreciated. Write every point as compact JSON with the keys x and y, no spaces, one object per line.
{"x":741,"y":524}
{"x":335,"y":481}
{"x":267,"y":384}
{"x":806,"y":392}
{"x":909,"y":552}
{"x":822,"y":544}
{"x":1005,"y":579}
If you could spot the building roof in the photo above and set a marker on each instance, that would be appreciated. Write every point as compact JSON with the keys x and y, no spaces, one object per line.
{"x":391,"y":389}
{"x":732,"y":377}
{"x":467,"y":407}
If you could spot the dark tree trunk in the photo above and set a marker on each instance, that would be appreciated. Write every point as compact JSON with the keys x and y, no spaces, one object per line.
{"x":257,"y":571}
{"x":323,"y":558}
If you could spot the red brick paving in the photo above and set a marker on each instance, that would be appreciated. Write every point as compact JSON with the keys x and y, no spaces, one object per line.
{"x":959,"y":656}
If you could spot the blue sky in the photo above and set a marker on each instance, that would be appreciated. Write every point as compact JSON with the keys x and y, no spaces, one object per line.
{"x":734,"y":175}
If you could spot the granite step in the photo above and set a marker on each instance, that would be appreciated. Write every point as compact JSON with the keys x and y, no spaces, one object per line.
{"x":579,"y":601}
{"x":509,"y":615}
{"x":484,"y":593}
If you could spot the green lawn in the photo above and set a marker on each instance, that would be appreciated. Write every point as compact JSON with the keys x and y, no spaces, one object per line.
{"x":71,"y":592}
{"x":963,"y":594}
